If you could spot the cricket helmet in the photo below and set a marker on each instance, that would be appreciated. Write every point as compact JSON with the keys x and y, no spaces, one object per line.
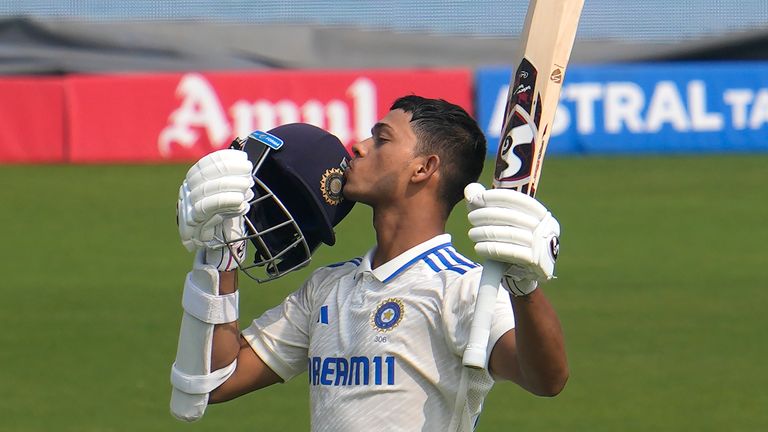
{"x":298,"y":171}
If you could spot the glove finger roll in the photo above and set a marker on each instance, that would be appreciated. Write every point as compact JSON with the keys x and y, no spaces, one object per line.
{"x":225,"y":203}
{"x":501,"y":216}
{"x":212,"y":159}
{"x":503,"y":234}
{"x":505,"y":252}
{"x":249,"y":195}
{"x":507,"y":198}
{"x":209,"y":169}
{"x":236,"y":168}
{"x":224,"y":184}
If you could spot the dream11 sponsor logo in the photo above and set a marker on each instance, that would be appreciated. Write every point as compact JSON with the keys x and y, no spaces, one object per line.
{"x":201,"y":112}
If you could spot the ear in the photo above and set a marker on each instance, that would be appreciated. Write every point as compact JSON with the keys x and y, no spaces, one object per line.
{"x":426,"y":168}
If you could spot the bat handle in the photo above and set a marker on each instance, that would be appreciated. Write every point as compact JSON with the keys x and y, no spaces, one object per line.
{"x":476,"y":351}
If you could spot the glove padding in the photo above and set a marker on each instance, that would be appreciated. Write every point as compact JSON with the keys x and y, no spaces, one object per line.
{"x":511,"y":227}
{"x":216,"y":188}
{"x":227,"y":257}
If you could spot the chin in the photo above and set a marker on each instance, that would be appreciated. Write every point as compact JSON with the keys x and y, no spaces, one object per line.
{"x":352,"y":195}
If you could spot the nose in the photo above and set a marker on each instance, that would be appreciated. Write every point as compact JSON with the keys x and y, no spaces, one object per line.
{"x":359,"y":149}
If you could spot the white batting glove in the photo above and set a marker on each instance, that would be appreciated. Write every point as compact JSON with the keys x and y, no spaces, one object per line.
{"x":512,"y":227}
{"x":216,"y":189}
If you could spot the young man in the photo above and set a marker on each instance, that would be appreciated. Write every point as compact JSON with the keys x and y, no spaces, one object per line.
{"x":382,"y":336}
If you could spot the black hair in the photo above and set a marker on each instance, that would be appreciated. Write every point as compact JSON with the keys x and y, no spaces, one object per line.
{"x":448,"y":131}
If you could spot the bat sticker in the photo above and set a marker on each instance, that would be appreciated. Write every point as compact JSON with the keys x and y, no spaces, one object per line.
{"x":514,"y":161}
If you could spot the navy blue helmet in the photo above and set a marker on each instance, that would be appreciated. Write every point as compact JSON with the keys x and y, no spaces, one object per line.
{"x":298,"y":170}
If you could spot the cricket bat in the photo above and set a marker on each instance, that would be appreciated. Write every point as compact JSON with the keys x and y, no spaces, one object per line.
{"x":534,"y":92}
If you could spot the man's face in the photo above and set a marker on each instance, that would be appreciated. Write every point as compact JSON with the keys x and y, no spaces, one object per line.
{"x":380,"y":169}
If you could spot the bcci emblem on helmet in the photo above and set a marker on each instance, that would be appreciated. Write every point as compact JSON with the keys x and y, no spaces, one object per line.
{"x":331,"y":184}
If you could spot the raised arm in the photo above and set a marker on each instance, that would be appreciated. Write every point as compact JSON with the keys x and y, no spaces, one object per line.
{"x":514,"y":228}
{"x":212,"y":201}
{"x":533,"y":353}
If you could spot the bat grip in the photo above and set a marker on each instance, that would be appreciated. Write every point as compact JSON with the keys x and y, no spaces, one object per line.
{"x":476,"y":352}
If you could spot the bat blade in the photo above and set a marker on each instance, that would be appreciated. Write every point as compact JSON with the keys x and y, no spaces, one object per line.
{"x":548,"y":36}
{"x":534,"y":92}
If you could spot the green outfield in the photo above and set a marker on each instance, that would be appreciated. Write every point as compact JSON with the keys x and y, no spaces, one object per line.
{"x":662,"y":290}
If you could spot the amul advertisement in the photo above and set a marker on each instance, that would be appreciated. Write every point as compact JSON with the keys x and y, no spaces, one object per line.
{"x":184,"y":116}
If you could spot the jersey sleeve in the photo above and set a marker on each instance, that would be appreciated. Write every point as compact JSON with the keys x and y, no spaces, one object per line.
{"x":280,"y":336}
{"x":459,"y":308}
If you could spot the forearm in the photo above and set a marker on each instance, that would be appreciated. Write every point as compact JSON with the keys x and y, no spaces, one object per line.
{"x":200,"y":367}
{"x":212,"y":200}
{"x":540,"y":345}
{"x":226,"y":337}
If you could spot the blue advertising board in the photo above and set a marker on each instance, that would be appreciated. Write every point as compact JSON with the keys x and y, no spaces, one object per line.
{"x":646,"y":108}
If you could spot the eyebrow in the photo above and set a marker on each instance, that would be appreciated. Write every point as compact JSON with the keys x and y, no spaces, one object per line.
{"x":379,"y":127}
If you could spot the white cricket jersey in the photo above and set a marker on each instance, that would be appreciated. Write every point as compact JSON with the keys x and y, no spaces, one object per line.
{"x":383,"y":347}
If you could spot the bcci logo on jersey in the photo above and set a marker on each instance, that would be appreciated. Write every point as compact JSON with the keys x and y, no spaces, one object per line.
{"x":388,"y":315}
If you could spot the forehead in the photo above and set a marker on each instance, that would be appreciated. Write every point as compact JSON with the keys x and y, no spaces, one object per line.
{"x":397,"y":122}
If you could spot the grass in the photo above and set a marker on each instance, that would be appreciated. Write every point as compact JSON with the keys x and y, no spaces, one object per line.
{"x":661,"y":291}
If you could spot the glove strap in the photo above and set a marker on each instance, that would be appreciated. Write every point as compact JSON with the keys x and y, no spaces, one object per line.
{"x":209,"y":308}
{"x":519,"y":288}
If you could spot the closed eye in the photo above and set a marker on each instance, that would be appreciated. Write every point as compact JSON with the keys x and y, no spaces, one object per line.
{"x":379,"y":140}
{"x":377,"y":135}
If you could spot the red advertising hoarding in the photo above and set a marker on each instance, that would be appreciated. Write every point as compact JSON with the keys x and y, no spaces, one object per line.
{"x":31,"y":120}
{"x":180,"y":117}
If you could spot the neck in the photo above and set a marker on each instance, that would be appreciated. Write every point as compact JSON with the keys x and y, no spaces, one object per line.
{"x":401,"y":228}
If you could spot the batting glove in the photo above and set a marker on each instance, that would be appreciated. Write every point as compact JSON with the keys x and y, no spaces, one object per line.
{"x":514,"y":228}
{"x":216,"y":189}
{"x":229,"y":254}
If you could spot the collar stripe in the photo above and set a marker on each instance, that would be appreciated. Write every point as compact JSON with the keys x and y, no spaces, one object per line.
{"x":459,"y":258}
{"x":450,"y":261}
{"x":446,"y":264}
{"x":355,"y":261}
{"x":415,"y":259}
{"x":431,"y":264}
{"x":444,"y":259}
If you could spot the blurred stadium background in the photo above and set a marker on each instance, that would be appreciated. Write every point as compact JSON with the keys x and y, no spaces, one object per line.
{"x":54,"y":36}
{"x":657,"y":171}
